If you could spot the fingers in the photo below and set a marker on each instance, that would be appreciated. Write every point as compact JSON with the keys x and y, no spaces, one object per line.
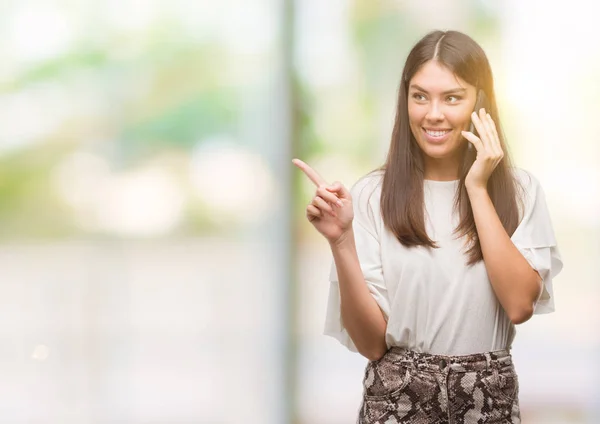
{"x":312,"y":212}
{"x":318,"y":208}
{"x":488,"y":135}
{"x":493,"y":129}
{"x":320,"y":203}
{"x":484,"y":118}
{"x":491,"y":139}
{"x":310,"y":173}
{"x":325,"y":193}
{"x":323,"y":202}
{"x":339,"y":189}
{"x":473,"y":139}
{"x":495,"y":136}
{"x":481,"y":128}
{"x":326,"y":196}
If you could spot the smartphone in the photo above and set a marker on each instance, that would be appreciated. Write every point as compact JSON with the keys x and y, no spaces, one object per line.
{"x":481,"y":102}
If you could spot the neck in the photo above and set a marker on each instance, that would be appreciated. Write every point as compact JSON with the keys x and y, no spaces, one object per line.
{"x":442,"y":169}
{"x":441,"y":174}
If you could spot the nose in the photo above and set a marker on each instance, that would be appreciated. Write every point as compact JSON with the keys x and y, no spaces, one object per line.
{"x":434,"y":113}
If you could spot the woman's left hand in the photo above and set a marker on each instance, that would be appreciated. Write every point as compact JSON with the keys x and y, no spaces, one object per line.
{"x":489,"y":151}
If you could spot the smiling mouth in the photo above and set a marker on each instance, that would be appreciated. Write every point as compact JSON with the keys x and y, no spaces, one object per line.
{"x":436,"y":133}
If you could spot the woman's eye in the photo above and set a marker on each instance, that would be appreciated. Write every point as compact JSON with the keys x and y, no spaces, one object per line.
{"x":453,"y":99}
{"x":418,"y":96}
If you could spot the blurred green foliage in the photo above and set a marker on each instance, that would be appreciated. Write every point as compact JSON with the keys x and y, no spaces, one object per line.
{"x":160,"y":92}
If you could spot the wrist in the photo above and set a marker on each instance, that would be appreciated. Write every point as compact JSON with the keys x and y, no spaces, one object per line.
{"x":476,"y":191}
{"x":343,"y":241}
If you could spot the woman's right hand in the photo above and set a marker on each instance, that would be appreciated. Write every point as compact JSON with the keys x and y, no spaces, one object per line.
{"x":330,"y":210}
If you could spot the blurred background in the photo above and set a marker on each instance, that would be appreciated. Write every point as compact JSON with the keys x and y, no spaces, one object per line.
{"x":155,"y":262}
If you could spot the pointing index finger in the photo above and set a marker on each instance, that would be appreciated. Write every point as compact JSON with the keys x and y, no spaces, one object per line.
{"x":310,"y":173}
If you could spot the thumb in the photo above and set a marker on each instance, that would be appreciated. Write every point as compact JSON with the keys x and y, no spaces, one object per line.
{"x":338,"y":188}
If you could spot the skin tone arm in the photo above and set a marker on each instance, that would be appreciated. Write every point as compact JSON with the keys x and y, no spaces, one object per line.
{"x":331,"y":213}
{"x":516,"y":284}
{"x":361,"y":315}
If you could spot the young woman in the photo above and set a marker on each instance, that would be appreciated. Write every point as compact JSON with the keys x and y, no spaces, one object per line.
{"x":438,"y":254}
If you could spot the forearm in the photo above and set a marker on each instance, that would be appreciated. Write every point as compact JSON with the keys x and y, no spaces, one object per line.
{"x":361,"y":314}
{"x":516,"y":285}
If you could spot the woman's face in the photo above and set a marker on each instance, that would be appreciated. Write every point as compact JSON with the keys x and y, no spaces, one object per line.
{"x":439,"y":108}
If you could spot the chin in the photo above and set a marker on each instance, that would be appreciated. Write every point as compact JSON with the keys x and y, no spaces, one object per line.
{"x":437,"y":152}
{"x":448,"y":149}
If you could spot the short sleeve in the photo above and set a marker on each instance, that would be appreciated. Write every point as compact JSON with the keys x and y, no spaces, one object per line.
{"x":534,"y":238}
{"x":365,"y":200}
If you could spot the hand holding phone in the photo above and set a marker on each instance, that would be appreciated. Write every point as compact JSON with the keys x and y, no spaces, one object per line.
{"x":481,"y":102}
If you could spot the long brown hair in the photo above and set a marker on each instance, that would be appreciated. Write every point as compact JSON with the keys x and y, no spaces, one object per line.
{"x":402,"y":197}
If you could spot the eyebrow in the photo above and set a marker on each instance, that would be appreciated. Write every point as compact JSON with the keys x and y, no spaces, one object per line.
{"x":454,"y":90}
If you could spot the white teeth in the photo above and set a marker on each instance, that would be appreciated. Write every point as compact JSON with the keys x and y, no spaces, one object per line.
{"x":437,"y":133}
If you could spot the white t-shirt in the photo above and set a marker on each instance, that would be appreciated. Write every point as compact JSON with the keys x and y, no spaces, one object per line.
{"x":433,"y":302}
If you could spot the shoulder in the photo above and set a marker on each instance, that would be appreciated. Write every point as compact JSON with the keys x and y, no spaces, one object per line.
{"x":368,"y":187}
{"x":527,"y":183}
{"x":522,"y":176}
{"x":366,"y":194}
{"x":535,"y":229}
{"x":529,"y":191}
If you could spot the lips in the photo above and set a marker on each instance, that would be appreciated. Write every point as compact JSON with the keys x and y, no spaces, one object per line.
{"x":436,"y":135}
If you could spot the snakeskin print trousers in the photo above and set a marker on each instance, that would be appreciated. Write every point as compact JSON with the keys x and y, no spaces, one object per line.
{"x":419,"y":388}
